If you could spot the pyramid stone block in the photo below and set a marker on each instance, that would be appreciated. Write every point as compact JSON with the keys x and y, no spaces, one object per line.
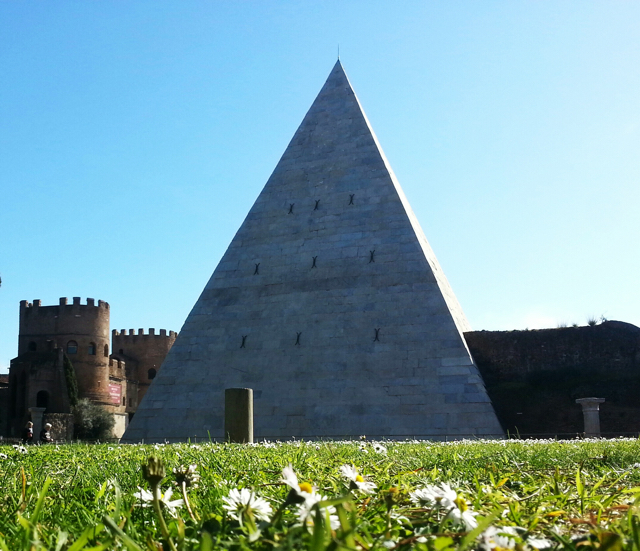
{"x":329,"y":303}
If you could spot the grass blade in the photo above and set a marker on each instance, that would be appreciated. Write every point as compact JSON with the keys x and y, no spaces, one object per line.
{"x":89,"y":533}
{"x":43,"y":493}
{"x":131,"y":545}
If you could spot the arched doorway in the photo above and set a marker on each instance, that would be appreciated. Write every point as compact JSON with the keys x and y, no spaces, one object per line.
{"x":42,"y":399}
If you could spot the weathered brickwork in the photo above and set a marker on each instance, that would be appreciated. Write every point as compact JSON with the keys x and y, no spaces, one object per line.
{"x":79,"y":332}
{"x":145,"y":351}
{"x":329,"y":303}
{"x":534,"y":377}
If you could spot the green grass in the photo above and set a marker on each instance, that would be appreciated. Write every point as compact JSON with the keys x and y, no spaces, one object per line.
{"x":571,"y":494}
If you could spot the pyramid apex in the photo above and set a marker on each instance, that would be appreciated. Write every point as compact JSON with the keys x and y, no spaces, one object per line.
{"x":337,"y":75}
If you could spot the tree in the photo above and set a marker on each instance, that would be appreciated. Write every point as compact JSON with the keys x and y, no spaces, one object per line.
{"x":92,"y":421}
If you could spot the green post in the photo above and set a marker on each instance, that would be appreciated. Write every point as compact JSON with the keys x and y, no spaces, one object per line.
{"x":238,"y":415}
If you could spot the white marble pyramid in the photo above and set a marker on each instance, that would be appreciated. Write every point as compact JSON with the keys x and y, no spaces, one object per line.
{"x":328,"y":303}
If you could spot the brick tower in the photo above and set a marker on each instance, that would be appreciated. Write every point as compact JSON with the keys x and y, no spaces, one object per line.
{"x":54,"y":338}
{"x":81,"y":330}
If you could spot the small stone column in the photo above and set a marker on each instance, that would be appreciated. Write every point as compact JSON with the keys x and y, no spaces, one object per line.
{"x":238,"y":415}
{"x":36,"y":419}
{"x":591,"y":412}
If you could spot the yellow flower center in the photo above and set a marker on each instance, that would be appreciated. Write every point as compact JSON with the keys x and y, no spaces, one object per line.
{"x":306,"y":487}
{"x":359,"y":478}
{"x":461,"y":503}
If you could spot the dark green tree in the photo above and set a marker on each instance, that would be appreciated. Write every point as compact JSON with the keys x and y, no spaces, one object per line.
{"x":92,"y":421}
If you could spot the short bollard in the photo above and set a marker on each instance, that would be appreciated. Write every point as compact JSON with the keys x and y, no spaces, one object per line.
{"x":591,"y":413}
{"x":238,"y":415}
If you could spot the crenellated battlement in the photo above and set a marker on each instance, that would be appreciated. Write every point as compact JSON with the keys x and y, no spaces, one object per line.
{"x":123,"y":334}
{"x":35,"y":307}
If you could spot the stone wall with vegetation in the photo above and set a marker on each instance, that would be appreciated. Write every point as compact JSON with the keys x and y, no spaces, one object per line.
{"x":534,"y":377}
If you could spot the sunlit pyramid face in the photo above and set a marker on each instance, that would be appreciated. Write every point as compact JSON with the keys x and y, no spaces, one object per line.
{"x":328,"y":303}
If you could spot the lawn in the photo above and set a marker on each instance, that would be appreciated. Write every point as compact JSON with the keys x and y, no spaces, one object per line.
{"x":322,"y":495}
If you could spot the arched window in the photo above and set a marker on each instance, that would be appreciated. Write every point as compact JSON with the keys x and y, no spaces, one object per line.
{"x":92,"y":349}
{"x":42,"y":399}
{"x":124,"y":401}
{"x":72,"y":347}
{"x":151,"y":374}
{"x":106,"y":350}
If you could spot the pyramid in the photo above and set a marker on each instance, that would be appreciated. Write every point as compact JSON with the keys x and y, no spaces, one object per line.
{"x":329,"y":303}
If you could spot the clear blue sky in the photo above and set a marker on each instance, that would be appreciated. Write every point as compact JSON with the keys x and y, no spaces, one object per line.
{"x":135,"y":136}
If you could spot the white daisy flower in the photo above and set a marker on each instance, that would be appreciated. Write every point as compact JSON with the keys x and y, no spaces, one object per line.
{"x":379,"y":448}
{"x":307,"y":514}
{"x":503,"y":537}
{"x":444,"y":497}
{"x":357,"y":482}
{"x":440,"y":496}
{"x":244,"y":502}
{"x":464,"y":518}
{"x":299,"y":492}
{"x":539,"y":543}
{"x":429,"y":495}
{"x":146,"y":497}
{"x":3,"y":456}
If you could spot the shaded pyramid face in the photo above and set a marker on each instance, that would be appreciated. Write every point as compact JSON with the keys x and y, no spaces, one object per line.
{"x":328,"y":303}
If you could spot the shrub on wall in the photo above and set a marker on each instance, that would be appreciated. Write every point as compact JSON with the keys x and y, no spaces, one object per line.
{"x":92,"y":421}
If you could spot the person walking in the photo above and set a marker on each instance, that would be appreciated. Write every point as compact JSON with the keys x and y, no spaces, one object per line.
{"x":45,"y":434}
{"x":27,"y":435}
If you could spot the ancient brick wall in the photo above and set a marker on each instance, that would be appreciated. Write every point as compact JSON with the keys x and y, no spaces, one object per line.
{"x":81,"y":332}
{"x":61,"y":426}
{"x":534,"y":377}
{"x":4,"y":409}
{"x":43,"y":328}
{"x":148,"y":350}
{"x":120,"y":389}
{"x":36,"y":379}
